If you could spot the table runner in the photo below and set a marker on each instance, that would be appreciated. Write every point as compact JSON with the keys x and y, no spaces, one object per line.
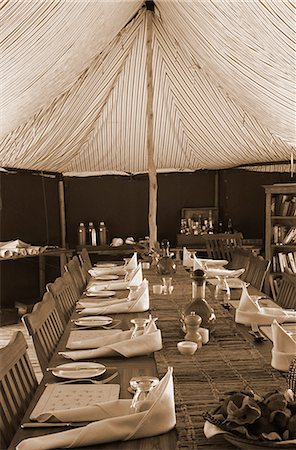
{"x":228,"y":362}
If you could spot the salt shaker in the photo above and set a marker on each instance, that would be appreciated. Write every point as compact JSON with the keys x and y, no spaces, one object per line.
{"x":192,"y":323}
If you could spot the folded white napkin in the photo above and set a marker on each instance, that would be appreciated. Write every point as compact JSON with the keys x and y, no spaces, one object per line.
{"x":99,"y":341}
{"x":218,"y":272}
{"x":150,"y":341}
{"x":249,"y":311}
{"x":137,"y":301}
{"x":131,"y":263}
{"x":14,"y":244}
{"x":113,"y":421}
{"x":208,"y":263}
{"x":187,"y":258}
{"x":134,"y":278}
{"x":99,"y":271}
{"x":284,"y":347}
{"x":5,"y":253}
{"x":33,"y":250}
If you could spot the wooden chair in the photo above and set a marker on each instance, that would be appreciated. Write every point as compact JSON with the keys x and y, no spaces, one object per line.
{"x":45,"y":327}
{"x":240,"y":259}
{"x":285,"y":295}
{"x":18,"y":384}
{"x":65,"y":294}
{"x":74,"y":268}
{"x":85,"y":258}
{"x":256,"y":271}
{"x":221,"y":245}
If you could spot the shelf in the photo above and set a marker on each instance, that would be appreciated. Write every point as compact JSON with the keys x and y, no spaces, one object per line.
{"x":284,"y":246}
{"x":283,"y":217}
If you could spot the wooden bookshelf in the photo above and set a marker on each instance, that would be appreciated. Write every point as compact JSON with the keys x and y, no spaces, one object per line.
{"x":280,"y":226}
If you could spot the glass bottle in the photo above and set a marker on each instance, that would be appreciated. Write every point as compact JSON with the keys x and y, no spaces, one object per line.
{"x":102,"y":233}
{"x":81,"y":234}
{"x":222,"y":291}
{"x":229,"y":226}
{"x":92,"y":234}
{"x":166,"y":264}
{"x":199,"y":304}
{"x":142,"y":385}
{"x":211,"y":225}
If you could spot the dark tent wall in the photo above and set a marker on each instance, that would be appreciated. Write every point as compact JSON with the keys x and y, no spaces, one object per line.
{"x":122,"y":202}
{"x":30,"y":212}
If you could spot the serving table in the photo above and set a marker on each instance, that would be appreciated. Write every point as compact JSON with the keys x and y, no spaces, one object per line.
{"x":231,"y":360}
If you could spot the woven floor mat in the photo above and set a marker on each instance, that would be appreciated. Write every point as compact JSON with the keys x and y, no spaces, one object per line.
{"x":228,"y":362}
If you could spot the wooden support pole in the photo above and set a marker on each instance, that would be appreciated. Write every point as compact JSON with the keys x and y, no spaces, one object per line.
{"x":62,"y":223}
{"x":150,"y":145}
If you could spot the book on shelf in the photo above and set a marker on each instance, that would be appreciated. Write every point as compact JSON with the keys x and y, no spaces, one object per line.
{"x":284,"y":262}
{"x":283,"y":205}
{"x":292,"y":261}
{"x":290,"y":236}
{"x":283,"y":235}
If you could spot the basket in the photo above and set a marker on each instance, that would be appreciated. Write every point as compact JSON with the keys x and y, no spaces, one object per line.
{"x":247,"y":444}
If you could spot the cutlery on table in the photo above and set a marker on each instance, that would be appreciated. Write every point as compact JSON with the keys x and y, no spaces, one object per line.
{"x":52,"y":424}
{"x":72,"y":369}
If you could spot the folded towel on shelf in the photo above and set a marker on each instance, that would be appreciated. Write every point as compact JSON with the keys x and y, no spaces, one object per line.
{"x":284,"y":347}
{"x":150,"y":341}
{"x":137,"y":301}
{"x":111,"y":421}
{"x":249,"y":311}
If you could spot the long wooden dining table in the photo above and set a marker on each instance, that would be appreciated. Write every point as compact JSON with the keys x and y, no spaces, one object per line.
{"x":231,"y":360}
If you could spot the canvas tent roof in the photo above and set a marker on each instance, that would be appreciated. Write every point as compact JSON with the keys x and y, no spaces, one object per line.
{"x":73,"y":81}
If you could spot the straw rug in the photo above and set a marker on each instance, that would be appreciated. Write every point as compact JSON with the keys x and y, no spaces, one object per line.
{"x":228,"y":362}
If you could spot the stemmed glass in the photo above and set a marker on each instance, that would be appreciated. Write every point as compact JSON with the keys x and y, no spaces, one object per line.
{"x":141,"y":385}
{"x":139,"y":326}
{"x":222,"y":291}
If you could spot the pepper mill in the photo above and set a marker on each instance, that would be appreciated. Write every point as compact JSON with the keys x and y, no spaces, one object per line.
{"x":192,"y":323}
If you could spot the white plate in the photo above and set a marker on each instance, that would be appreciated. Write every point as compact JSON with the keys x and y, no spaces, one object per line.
{"x":105,"y":265}
{"x":106,"y":277}
{"x":233,"y":283}
{"x":80,"y":370}
{"x":101,"y":294}
{"x":93,"y":321}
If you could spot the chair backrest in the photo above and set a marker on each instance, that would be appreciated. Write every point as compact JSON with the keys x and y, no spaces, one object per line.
{"x":65,"y":294}
{"x":46,"y":328}
{"x":18,"y":384}
{"x":286,"y":296}
{"x":74,"y":268}
{"x":85,"y":258}
{"x":221,"y":245}
{"x":240,"y":259}
{"x":256,"y":271}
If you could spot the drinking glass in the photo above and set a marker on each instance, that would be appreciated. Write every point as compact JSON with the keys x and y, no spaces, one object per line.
{"x":167,"y":285}
{"x":222,"y":291}
{"x":142,"y":385}
{"x":139,"y":326}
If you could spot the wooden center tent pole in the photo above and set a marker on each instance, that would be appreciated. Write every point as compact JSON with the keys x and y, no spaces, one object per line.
{"x":150,"y":147}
